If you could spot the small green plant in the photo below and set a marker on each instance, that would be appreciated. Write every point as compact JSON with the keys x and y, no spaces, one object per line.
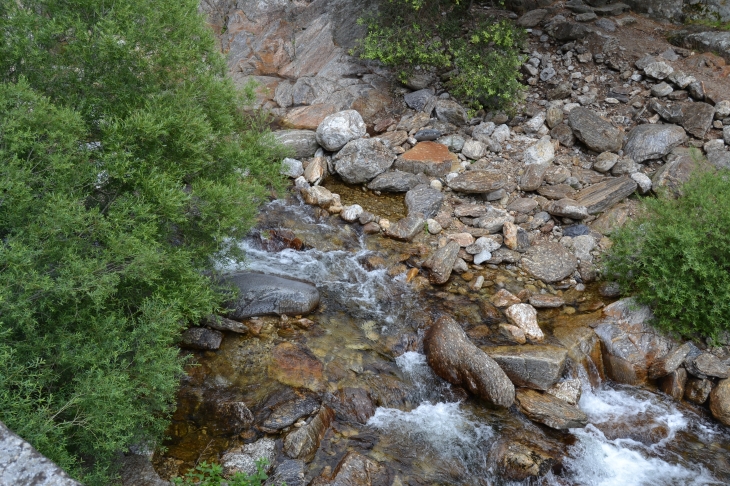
{"x":205,"y":474}
{"x":479,"y":59}
{"x":676,"y":257}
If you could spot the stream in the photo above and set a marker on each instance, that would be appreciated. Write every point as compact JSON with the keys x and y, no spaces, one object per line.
{"x":367,"y":333}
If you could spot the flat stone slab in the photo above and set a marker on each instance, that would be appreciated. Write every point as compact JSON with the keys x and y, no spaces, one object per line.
{"x":477,"y":182}
{"x":549,"y":410}
{"x":549,"y":262}
{"x":261,"y":294}
{"x":406,"y":228}
{"x":537,"y":367}
{"x":396,"y":181}
{"x":597,"y":133}
{"x":430,"y":158}
{"x":647,"y":142}
{"x":600,"y":197}
{"x":308,"y":117}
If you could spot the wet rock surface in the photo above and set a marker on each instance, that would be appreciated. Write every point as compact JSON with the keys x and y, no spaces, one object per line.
{"x":549,"y":410}
{"x":267,"y":294}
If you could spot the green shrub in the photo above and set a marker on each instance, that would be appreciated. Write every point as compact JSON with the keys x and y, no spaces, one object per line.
{"x":126,"y":163}
{"x":206,"y":474}
{"x":676,"y":257}
{"x":480,"y":58}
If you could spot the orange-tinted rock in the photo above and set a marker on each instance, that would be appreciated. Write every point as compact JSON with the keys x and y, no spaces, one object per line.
{"x":430,"y":158}
{"x":296,"y":366}
{"x":370,"y":105}
{"x":308,"y":117}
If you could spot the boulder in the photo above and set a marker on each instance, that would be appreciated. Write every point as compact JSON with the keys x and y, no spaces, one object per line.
{"x":317,"y":195}
{"x":697,"y":390}
{"x":201,"y":338}
{"x":706,"y":364}
{"x":430,"y":158}
{"x":595,"y":132}
{"x":477,"y":182}
{"x":21,"y":464}
{"x":302,"y":143}
{"x":286,"y":412}
{"x":549,"y":410}
{"x":647,"y":142}
{"x":271,"y":295}
{"x":308,"y":117}
{"x":669,"y":362}
{"x":362,"y":159}
{"x":524,"y":316}
{"x":302,"y":443}
{"x":243,"y":459}
{"x":674,"y":383}
{"x":530,"y":366}
{"x":597,"y":198}
{"x":541,"y":153}
{"x":441,"y":262}
{"x":451,"y":112}
{"x":631,"y":345}
{"x":396,"y":181}
{"x":338,"y":129}
{"x":474,"y":150}
{"x":697,"y":118}
{"x":549,"y":261}
{"x":418,"y":100}
{"x":393,"y":139}
{"x":425,"y":200}
{"x":406,"y":228}
{"x":567,"y":208}
{"x":720,"y":402}
{"x":454,"y":358}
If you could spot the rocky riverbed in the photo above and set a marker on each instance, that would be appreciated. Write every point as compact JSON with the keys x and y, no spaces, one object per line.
{"x":445,"y":323}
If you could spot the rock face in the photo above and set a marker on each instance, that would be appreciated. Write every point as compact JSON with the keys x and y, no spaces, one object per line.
{"x":720,"y":402}
{"x":550,"y":410}
{"x":362,"y":159}
{"x":529,"y":366}
{"x":442,"y":262}
{"x":455,"y":359}
{"x":268,"y":294}
{"x":20,"y":464}
{"x":302,"y":142}
{"x":201,"y":338}
{"x":549,"y":262}
{"x":594,"y":131}
{"x":630,"y":344}
{"x":477,"y":182}
{"x":339,"y":128}
{"x":430,"y":158}
{"x":647,"y":142}
{"x":425,"y":200}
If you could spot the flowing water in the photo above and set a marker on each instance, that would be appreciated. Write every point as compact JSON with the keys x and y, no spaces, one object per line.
{"x":367,"y":333}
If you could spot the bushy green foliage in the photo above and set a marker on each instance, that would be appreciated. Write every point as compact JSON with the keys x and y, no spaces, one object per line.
{"x":676,"y":257}
{"x":480,"y":58}
{"x":126,"y":162}
{"x":206,"y":474}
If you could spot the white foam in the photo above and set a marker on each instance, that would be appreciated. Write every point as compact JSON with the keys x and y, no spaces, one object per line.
{"x":429,"y":387}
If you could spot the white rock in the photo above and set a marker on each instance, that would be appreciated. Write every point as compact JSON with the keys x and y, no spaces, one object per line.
{"x":451,"y":176}
{"x":483,"y":244}
{"x":474,"y":149}
{"x":301,"y":183}
{"x":681,"y":80}
{"x":436,"y":184}
{"x":658,"y":70}
{"x":712,"y":145}
{"x":570,"y":107}
{"x":500,"y":134}
{"x":534,"y":123}
{"x":643,"y":180}
{"x":244,"y":459}
{"x":339,"y":128}
{"x":291,"y":168}
{"x":543,"y":152}
{"x":482,"y":257}
{"x":524,"y":316}
{"x":722,"y":109}
{"x":433,"y":226}
{"x":351,"y":213}
{"x":582,"y":246}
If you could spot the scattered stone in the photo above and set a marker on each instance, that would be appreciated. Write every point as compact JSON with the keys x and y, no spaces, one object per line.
{"x":303,"y":143}
{"x":680,"y":79}
{"x":549,"y":262}
{"x":441,"y":263}
{"x":474,"y":150}
{"x":599,"y":197}
{"x":697,"y":118}
{"x":568,"y":208}
{"x":504,"y":298}
{"x":292,"y":168}
{"x":477,"y":182}
{"x":697,"y":390}
{"x":420,"y":99}
{"x":316,"y":170}
{"x":524,"y":316}
{"x":658,"y":70}
{"x":523,"y":205}
{"x":532,"y":18}
{"x":454,"y":358}
{"x":393,"y":139}
{"x":362,"y":159}
{"x":425,"y":200}
{"x":643,"y":181}
{"x":451,"y":112}
{"x":661,"y":90}
{"x":598,"y":134}
{"x":406,"y":228}
{"x":549,"y":410}
{"x":350,"y":214}
{"x":674,"y":383}
{"x":513,"y":333}
{"x":530,"y":366}
{"x":706,"y":364}
{"x":669,"y":362}
{"x":546,"y":301}
{"x":427,"y":135}
{"x":563,"y":134}
{"x":554,"y":117}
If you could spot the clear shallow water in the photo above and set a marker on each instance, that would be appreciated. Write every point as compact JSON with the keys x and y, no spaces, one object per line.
{"x":366,"y":335}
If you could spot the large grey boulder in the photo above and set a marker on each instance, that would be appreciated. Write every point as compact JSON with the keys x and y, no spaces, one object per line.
{"x":339,"y":128}
{"x":21,"y":464}
{"x":595,"y":132}
{"x":529,"y":366}
{"x":647,"y":142}
{"x":302,"y":143}
{"x":268,"y":294}
{"x":243,"y":459}
{"x":454,"y":358}
{"x":424,"y":199}
{"x":420,"y":100}
{"x":451,"y":112}
{"x":362,"y":159}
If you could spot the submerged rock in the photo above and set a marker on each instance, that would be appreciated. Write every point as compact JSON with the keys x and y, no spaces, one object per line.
{"x":454,"y":358}
{"x":296,"y":366}
{"x":302,"y":443}
{"x":396,"y":181}
{"x":356,"y":470}
{"x":261,"y":294}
